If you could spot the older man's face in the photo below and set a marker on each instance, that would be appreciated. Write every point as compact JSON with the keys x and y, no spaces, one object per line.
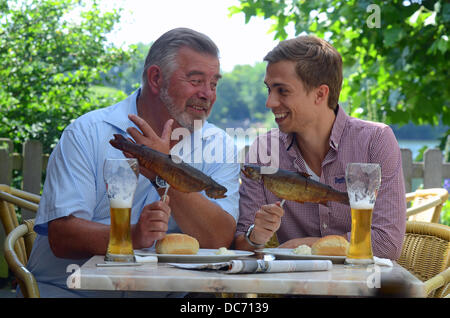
{"x":191,"y":89}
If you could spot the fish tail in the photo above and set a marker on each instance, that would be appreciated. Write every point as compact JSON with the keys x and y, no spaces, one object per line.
{"x":118,"y":142}
{"x":121,"y":143}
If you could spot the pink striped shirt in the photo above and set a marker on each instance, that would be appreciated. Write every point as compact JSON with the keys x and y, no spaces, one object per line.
{"x":352,"y":140}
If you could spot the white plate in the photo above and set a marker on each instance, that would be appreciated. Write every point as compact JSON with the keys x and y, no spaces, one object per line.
{"x":203,"y":256}
{"x":287,"y":253}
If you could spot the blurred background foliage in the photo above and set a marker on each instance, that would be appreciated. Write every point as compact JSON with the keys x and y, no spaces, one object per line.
{"x":51,"y":55}
{"x":56,"y":64}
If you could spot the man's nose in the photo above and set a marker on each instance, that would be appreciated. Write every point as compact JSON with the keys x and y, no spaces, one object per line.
{"x":272,"y":101}
{"x":206,"y":91}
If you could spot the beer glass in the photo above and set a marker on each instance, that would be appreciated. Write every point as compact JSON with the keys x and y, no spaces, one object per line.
{"x":363,"y":181}
{"x":121,"y":176}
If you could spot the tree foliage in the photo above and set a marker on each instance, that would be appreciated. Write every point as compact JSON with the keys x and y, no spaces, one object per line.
{"x":241,"y":95}
{"x":51,"y":51}
{"x":127,"y":76}
{"x":396,"y":71}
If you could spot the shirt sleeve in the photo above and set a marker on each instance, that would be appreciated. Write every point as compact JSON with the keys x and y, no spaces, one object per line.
{"x":224,"y":170}
{"x":389,"y":214}
{"x":70,"y":182}
{"x":252,"y":197}
{"x":228,"y":176}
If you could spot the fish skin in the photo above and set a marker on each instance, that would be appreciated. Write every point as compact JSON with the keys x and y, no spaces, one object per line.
{"x":295,"y":186}
{"x":180,"y":176}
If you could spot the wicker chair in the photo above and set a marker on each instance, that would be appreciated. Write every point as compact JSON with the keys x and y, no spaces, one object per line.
{"x":18,"y":249}
{"x":18,"y":246}
{"x":10,"y":198}
{"x":426,"y":254}
{"x":426,"y":204}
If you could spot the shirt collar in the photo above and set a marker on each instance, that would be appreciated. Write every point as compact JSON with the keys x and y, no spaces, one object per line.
{"x":119,"y":115}
{"x":287,"y":139}
{"x":209,"y":130}
{"x":338,"y":127}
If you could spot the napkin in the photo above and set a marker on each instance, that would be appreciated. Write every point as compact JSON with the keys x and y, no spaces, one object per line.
{"x":382,"y":261}
{"x":261,"y":266}
{"x":146,"y":259}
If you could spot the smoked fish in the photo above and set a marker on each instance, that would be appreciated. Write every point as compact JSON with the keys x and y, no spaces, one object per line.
{"x":294,"y":186}
{"x":180,"y":176}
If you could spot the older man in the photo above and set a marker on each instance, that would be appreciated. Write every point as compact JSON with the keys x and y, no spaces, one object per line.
{"x":178,"y":88}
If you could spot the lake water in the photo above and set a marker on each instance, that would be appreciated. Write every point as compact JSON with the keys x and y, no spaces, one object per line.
{"x":416,"y":145}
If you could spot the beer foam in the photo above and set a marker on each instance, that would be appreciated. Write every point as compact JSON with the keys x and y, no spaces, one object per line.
{"x":362,"y":204}
{"x":121,"y":203}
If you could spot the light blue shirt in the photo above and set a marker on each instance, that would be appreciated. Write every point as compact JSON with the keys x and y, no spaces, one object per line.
{"x":74,"y":183}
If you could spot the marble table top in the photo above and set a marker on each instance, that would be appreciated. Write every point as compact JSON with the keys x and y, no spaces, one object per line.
{"x":340,"y":280}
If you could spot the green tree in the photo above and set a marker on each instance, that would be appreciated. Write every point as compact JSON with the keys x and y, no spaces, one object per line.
{"x":127,"y":77}
{"x":241,"y":95}
{"x":396,"y":53}
{"x":51,"y":52}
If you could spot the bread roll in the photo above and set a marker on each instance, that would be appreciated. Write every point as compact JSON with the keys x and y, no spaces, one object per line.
{"x":332,"y":245}
{"x":177,"y":243}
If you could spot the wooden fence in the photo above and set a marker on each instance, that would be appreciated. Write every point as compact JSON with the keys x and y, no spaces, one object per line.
{"x":32,"y":162}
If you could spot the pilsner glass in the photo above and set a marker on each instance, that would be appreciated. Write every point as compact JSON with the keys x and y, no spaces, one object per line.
{"x":121,"y":176}
{"x":363,"y":181}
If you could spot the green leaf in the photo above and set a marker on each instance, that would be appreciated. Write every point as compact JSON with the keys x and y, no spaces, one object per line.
{"x":393,"y":34}
{"x":446,"y":12}
{"x":442,"y":45}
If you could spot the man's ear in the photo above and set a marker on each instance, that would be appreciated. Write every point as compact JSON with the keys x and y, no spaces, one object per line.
{"x":154,"y":78}
{"x":322,"y":93}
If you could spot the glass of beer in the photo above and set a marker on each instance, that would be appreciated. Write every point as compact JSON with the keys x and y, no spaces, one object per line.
{"x":363,"y":181}
{"x":121,"y":177}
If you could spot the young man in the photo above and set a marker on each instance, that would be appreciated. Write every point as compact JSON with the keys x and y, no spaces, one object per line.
{"x":179,"y":86}
{"x":316,"y":136}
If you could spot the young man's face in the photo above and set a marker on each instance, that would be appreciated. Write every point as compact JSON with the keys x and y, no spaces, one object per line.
{"x":292,"y":106}
{"x":191,"y":91}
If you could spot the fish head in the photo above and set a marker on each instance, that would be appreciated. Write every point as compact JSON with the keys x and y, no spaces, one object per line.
{"x":252,"y":172}
{"x":216,"y":192}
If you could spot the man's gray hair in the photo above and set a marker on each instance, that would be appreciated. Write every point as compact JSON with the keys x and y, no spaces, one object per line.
{"x":164,"y":50}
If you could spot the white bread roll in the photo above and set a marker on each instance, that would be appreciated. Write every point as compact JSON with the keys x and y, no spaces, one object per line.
{"x":331,"y":245}
{"x":177,"y":243}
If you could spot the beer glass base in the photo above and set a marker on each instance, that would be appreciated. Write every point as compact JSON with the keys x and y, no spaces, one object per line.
{"x":124,"y":258}
{"x":356,"y":262}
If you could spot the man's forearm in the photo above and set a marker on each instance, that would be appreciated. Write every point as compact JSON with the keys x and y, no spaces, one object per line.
{"x":199,"y":217}
{"x":72,"y":237}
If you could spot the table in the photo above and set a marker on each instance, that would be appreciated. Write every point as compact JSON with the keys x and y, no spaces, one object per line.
{"x":339,"y":281}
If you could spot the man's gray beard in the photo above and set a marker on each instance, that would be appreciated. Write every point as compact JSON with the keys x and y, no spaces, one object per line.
{"x":180,"y":116}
